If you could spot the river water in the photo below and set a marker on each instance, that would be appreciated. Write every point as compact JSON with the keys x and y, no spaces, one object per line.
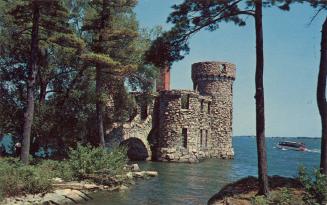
{"x":194,"y":184}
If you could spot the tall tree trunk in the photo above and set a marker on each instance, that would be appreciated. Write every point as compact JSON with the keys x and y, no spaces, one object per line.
{"x":321,"y":98}
{"x":99,"y":105}
{"x":32,"y":70}
{"x":99,"y":85}
{"x":259,"y":98}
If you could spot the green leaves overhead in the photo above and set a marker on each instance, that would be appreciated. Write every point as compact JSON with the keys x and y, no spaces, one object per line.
{"x":98,"y":59}
{"x":123,"y":33}
{"x":109,"y":65}
{"x":72,"y":45}
{"x":53,"y":14}
{"x":68,"y":40}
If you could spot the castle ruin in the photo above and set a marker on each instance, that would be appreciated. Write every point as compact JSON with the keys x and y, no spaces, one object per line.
{"x":189,"y":125}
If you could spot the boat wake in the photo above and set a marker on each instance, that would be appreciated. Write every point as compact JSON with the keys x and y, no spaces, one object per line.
{"x":307,"y":150}
{"x":314,"y":150}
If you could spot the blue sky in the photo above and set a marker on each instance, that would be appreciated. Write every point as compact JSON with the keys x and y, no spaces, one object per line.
{"x":292,"y":56}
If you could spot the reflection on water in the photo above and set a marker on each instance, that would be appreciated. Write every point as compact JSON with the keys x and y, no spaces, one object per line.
{"x":194,"y":184}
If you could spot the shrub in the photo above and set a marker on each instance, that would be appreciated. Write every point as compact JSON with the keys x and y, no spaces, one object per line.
{"x":283,"y":196}
{"x":259,"y":200}
{"x":34,"y":179}
{"x":61,"y":169}
{"x":87,"y":160}
{"x":316,"y":187}
{"x":17,"y":179}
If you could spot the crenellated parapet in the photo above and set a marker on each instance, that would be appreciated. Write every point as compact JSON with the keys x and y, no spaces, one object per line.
{"x":213,"y":70}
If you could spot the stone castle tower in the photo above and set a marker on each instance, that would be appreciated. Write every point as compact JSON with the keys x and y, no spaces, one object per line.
{"x":216,"y":79}
{"x":197,"y":124}
{"x":182,"y":125}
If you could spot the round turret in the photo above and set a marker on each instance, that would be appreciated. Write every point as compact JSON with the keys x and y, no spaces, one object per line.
{"x":216,"y":79}
{"x":204,"y":73}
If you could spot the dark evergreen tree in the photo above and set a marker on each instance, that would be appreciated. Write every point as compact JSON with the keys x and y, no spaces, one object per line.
{"x":48,"y":19}
{"x":64,"y":95}
{"x":107,"y":43}
{"x":321,"y":97}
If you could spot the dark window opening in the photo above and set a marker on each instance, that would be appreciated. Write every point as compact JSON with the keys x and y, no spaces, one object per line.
{"x":201,"y":138}
{"x":144,"y":111}
{"x":185,"y":101}
{"x":184,"y":135}
{"x":206,"y":139}
{"x":202,"y":105}
{"x":222,"y":68}
{"x":209,"y":107}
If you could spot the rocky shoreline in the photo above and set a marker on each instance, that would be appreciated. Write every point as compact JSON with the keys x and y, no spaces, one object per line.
{"x":243,"y":191}
{"x":77,"y":192}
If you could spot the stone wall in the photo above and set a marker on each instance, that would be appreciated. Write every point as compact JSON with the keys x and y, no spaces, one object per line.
{"x":216,"y":79}
{"x":198,"y":124}
{"x":185,"y":125}
{"x":173,"y":144}
{"x":138,"y":128}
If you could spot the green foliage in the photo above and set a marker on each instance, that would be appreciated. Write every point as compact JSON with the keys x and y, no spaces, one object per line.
{"x":282,"y":196}
{"x":60,"y":169}
{"x":87,"y":160}
{"x":65,"y":96}
{"x":285,"y":197}
{"x":94,"y":58}
{"x":316,"y":187}
{"x":16,"y":179}
{"x":68,"y":40}
{"x":259,"y":200}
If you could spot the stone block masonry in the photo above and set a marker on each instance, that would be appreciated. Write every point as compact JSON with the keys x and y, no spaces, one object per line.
{"x":186,"y":125}
{"x":198,"y":124}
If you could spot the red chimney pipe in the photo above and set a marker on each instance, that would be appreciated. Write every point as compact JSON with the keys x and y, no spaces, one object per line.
{"x":163,"y":82}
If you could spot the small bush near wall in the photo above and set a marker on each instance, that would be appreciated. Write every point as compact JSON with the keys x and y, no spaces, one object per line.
{"x":87,"y":160}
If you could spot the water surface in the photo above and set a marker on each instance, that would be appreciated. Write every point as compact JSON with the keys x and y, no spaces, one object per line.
{"x":194,"y":184}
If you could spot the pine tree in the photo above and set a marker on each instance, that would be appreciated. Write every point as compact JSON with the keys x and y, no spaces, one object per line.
{"x":105,"y":44}
{"x":321,"y":97}
{"x":39,"y":22}
{"x":192,"y":16}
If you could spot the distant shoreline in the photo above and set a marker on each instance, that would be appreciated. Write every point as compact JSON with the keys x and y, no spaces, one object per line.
{"x":279,"y":137}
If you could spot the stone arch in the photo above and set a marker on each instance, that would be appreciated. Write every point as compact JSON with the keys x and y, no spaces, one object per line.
{"x":136,"y":149}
